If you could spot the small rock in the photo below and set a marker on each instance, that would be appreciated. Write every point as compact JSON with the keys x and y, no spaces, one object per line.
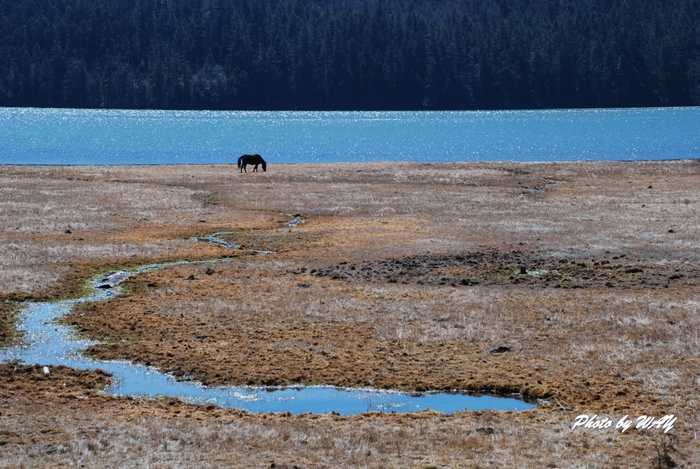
{"x":500,"y":349}
{"x":114,"y":279}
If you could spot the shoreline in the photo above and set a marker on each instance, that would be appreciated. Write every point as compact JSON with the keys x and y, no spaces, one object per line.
{"x":379,"y":162}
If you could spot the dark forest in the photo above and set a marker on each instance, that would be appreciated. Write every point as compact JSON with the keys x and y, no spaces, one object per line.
{"x":349,"y":54}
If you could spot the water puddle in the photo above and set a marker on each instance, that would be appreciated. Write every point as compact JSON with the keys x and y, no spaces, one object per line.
{"x":215,"y":238}
{"x":296,"y":219}
{"x":49,"y":343}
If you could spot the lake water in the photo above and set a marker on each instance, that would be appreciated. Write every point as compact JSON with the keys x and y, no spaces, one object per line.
{"x":80,"y":137}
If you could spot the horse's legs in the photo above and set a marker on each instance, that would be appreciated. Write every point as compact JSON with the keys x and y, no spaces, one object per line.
{"x":255,"y":168}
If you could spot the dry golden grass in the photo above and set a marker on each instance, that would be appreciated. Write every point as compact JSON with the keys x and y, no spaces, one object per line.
{"x":98,"y":431}
{"x":631,"y":348}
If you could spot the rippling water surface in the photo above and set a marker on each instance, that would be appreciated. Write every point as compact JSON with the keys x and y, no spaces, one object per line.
{"x":69,"y":136}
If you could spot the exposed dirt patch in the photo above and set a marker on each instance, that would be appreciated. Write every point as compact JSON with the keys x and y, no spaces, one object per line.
{"x":515,"y":267}
{"x":16,"y":376}
{"x":8,"y":333}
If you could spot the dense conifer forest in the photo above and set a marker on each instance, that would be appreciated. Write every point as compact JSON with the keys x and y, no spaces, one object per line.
{"x":349,"y":54}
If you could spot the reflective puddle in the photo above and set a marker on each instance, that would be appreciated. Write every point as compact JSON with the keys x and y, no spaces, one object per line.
{"x":49,"y":343}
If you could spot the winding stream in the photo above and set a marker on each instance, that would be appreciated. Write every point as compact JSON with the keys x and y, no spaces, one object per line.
{"x":49,"y":343}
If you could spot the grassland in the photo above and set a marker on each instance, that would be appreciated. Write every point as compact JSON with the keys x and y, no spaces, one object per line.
{"x":401,"y":276}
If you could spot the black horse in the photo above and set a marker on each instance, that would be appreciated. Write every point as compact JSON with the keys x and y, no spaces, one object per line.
{"x":256,"y":160}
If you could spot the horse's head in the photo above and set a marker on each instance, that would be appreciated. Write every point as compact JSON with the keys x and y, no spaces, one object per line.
{"x":264,"y":166}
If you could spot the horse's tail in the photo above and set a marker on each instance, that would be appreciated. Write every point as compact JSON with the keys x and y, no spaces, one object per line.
{"x":240,"y":161}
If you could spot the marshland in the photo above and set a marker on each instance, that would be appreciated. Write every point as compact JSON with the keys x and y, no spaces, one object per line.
{"x":402,"y":276}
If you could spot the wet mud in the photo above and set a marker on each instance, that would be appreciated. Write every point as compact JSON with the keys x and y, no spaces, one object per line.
{"x":515,"y":268}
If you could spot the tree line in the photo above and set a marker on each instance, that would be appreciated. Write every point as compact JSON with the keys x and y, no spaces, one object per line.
{"x":349,"y":54}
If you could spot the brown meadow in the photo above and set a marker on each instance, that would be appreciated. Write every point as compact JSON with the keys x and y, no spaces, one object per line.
{"x":402,"y":276}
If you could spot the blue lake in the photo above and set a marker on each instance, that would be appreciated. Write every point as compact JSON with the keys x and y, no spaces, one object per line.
{"x":80,"y":137}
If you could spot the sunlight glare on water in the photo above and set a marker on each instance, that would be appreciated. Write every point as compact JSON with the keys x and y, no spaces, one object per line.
{"x":74,"y":136}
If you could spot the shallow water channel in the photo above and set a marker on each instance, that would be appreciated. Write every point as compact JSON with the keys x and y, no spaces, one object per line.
{"x":49,"y":343}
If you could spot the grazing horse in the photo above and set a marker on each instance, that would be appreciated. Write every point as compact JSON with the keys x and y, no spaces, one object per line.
{"x":251,"y":159}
